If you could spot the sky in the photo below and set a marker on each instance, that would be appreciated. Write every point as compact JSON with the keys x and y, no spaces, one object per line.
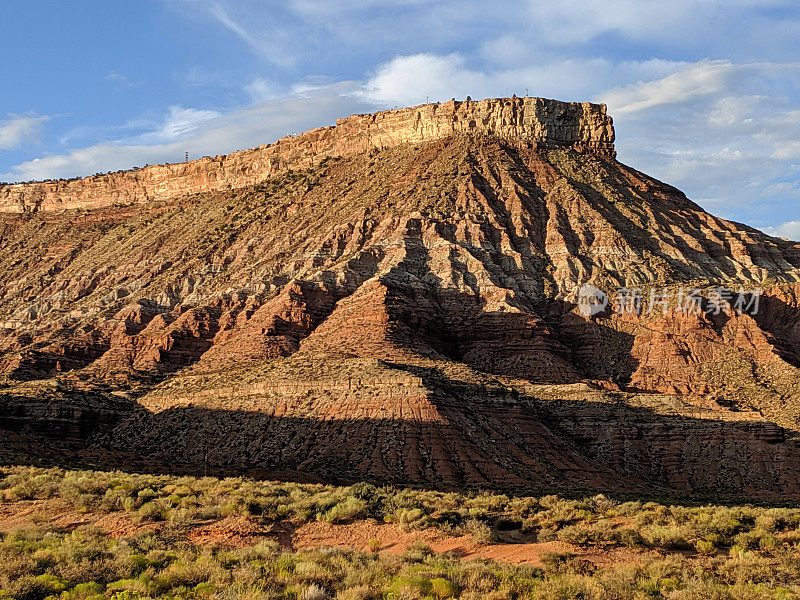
{"x":705,"y":94}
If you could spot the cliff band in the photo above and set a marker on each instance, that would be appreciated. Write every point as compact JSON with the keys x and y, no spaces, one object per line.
{"x":540,"y":122}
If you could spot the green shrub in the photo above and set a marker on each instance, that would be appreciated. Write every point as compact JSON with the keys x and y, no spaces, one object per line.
{"x":479,"y":531}
{"x":443,"y":588}
{"x":345,"y":511}
{"x":628,"y":536}
{"x":756,"y":539}
{"x":671,"y":538}
{"x":408,"y":518}
{"x":409,"y":587}
{"x":152,"y":511}
{"x":83,"y":591}
{"x":556,"y":562}
{"x":705,"y":547}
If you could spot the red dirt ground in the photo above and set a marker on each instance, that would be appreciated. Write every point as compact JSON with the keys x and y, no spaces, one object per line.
{"x":239,"y":531}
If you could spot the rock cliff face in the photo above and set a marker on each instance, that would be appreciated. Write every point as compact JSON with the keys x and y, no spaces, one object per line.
{"x":407,"y":311}
{"x":539,"y":122}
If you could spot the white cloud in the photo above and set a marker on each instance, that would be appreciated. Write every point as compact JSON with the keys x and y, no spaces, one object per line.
{"x":789,"y":230}
{"x":222,"y":16}
{"x":181,"y":122}
{"x":724,"y":133}
{"x":19,"y":129}
{"x":732,"y":111}
{"x":200,"y":133}
{"x":265,"y":39}
{"x":310,"y":32}
{"x":695,"y":80}
{"x":407,"y":80}
{"x":787,"y":150}
{"x":261,"y":90}
{"x":703,"y":79}
{"x":410,"y":79}
{"x":287,"y":33}
{"x":570,"y":22}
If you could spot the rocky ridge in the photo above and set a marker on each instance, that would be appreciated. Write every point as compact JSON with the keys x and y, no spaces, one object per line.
{"x":540,"y":122}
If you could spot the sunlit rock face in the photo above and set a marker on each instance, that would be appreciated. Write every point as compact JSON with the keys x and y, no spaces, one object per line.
{"x":544,"y":123}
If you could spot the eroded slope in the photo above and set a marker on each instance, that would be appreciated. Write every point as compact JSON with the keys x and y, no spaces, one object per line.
{"x":409,"y":314}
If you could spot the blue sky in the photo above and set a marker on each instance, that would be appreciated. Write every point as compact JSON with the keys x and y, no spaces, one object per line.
{"x":705,"y":94}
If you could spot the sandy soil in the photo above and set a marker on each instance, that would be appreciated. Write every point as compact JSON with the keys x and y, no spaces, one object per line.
{"x":394,"y":540}
{"x":239,"y":531}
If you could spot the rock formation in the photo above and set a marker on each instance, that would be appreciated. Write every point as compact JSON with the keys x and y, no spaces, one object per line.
{"x":396,"y":299}
{"x":543,"y":123}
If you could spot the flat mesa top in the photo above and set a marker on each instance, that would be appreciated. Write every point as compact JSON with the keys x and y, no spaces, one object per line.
{"x":545,"y":123}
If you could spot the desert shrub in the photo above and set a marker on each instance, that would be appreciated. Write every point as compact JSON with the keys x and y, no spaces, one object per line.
{"x":745,"y":551}
{"x":22,"y":491}
{"x":556,"y":562}
{"x":705,"y":547}
{"x":599,"y":504}
{"x":547,"y":534}
{"x":361,"y":592}
{"x":449,"y":519}
{"x":192,"y":572}
{"x":745,"y":568}
{"x":408,"y":518}
{"x":314,"y":592}
{"x":576,"y":534}
{"x":756,"y":539}
{"x":152,"y":511}
{"x":373,"y":497}
{"x":36,"y":587}
{"x":409,"y":587}
{"x":582,"y":535}
{"x":671,"y":538}
{"x":347,"y":510}
{"x":628,"y":536}
{"x":83,"y":591}
{"x":417,"y":552}
{"x":146,"y":494}
{"x":479,"y":531}
{"x":443,"y":588}
{"x":569,"y":587}
{"x":206,"y":498}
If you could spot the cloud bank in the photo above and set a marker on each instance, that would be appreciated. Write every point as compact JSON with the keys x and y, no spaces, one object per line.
{"x":201,"y":133}
{"x":17,"y":130}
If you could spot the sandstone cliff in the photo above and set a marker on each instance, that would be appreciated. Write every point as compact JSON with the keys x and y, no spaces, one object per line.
{"x":540,"y":122}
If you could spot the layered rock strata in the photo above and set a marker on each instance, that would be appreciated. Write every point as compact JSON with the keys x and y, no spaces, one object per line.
{"x":540,"y":122}
{"x":407,"y":311}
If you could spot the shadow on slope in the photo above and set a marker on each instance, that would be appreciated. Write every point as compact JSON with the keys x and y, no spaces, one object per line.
{"x":478,"y":436}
